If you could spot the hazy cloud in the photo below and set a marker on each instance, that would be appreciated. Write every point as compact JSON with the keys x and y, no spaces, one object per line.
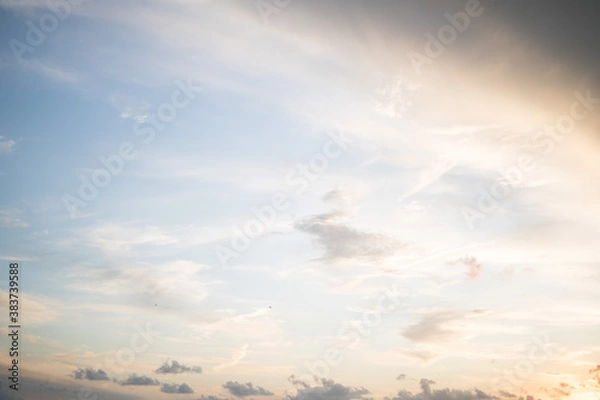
{"x":328,"y":390}
{"x":337,"y":197}
{"x":245,"y":389}
{"x":135,"y":380}
{"x":437,"y":326}
{"x":433,"y":327}
{"x":427,"y":393}
{"x":507,"y":394}
{"x":344,"y":242}
{"x":90,"y":374}
{"x":596,"y":373}
{"x":473,"y":266}
{"x":203,"y":397}
{"x":176,"y":389}
{"x":237,"y":356}
{"x":422,"y":355}
{"x":563,"y":390}
{"x":10,"y":218}
{"x":177,"y":368}
{"x":6,"y":146}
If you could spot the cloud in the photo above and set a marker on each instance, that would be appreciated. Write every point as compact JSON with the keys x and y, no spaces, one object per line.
{"x":10,"y":218}
{"x":437,"y":326}
{"x":563,"y":390}
{"x":428,"y":176}
{"x":236,"y":357}
{"x":40,"y":309}
{"x":474,"y":267}
{"x":433,"y":327}
{"x":328,"y":390}
{"x":297,"y":382}
{"x":174,"y":388}
{"x":427,"y":393}
{"x":7,"y":146}
{"x":176,"y":368}
{"x":210,"y":397}
{"x":54,"y":72}
{"x":135,"y":380}
{"x":343,"y":242}
{"x":90,"y":374}
{"x":245,"y":389}
{"x":34,"y":386}
{"x":115,"y":238}
{"x":422,"y":355}
{"x":401,"y":377}
{"x":335,"y":196}
{"x":426,"y":386}
{"x":507,"y":394}
{"x":129,"y":108}
{"x":175,"y":280}
{"x":393,"y":97}
{"x":596,"y":372}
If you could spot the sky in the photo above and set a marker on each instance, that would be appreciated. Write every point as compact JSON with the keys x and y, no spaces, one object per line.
{"x":301,"y":200}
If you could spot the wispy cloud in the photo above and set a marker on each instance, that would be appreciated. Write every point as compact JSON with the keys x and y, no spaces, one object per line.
{"x":439,"y":326}
{"x":236,"y":357}
{"x":11,"y":218}
{"x":177,"y":281}
{"x":53,"y":72}
{"x":116,"y":238}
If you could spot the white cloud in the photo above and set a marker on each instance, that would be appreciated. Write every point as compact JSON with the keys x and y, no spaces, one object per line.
{"x":10,"y":218}
{"x":236,"y":357}
{"x":7,"y":146}
{"x":178,"y":281}
{"x":121,"y":238}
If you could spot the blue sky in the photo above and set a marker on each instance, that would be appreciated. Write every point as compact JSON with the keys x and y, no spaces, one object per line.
{"x":302,"y":200}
